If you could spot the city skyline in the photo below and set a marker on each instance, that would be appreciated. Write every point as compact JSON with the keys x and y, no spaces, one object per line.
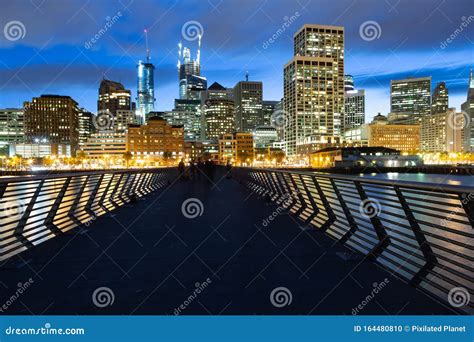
{"x":45,"y":60}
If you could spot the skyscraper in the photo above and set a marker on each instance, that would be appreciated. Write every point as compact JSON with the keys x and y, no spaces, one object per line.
{"x":468,"y":113}
{"x":440,"y":99}
{"x":112,"y":97}
{"x":354,"y":105}
{"x":191,"y":83}
{"x":268,"y":108}
{"x":248,"y":105}
{"x":411,"y":96}
{"x":86,"y":126}
{"x":52,"y":119}
{"x":218,"y":110}
{"x":145,"y":85}
{"x":314,"y":88}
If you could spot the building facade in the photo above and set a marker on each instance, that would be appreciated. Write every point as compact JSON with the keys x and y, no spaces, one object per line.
{"x":354,"y":104}
{"x":467,"y":109}
{"x":86,"y":126}
{"x":438,"y":134}
{"x":264,"y":136}
{"x":218,"y":109}
{"x":52,"y":119}
{"x":11,"y":127}
{"x":105,"y":145}
{"x":404,"y":138}
{"x":412,"y":96}
{"x":236,"y":148}
{"x":157,"y":140}
{"x":248,"y":98}
{"x":314,"y":87}
{"x":145,"y":89}
{"x":440,"y":99}
{"x":112,"y":97}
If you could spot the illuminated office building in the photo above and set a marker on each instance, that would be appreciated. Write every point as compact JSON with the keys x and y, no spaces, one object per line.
{"x":52,"y":119}
{"x":411,"y":96}
{"x":11,"y":127}
{"x":314,"y":88}
{"x":191,"y":83}
{"x":248,"y":105}
{"x":236,"y":148}
{"x":440,"y":99}
{"x":218,"y":110}
{"x":112,"y":97}
{"x":86,"y":126}
{"x":145,"y":85}
{"x":268,"y":108}
{"x":401,"y":137}
{"x":438,"y":134}
{"x":354,"y":104}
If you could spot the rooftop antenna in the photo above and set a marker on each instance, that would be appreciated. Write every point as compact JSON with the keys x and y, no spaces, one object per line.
{"x":246,"y":76}
{"x":180,"y":46}
{"x":147,"y":49}
{"x":199,"y":49}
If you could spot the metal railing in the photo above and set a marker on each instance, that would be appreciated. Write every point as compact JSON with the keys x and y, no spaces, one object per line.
{"x":421,"y":232}
{"x":37,"y":208}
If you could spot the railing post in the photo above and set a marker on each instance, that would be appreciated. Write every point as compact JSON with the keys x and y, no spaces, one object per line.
{"x":105,"y":193}
{"x":425,"y":248}
{"x":49,"y":220}
{"x":347,"y":213}
{"x":382,"y":235}
{"x":327,"y":206}
{"x":90,"y":201}
{"x":18,"y":233}
{"x":303,"y":204}
{"x":77,"y":199}
{"x":311,"y":199}
{"x":114,"y":191}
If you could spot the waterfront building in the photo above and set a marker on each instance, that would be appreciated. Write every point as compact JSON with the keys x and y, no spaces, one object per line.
{"x":157,"y":140}
{"x":236,"y":148}
{"x":53,"y":119}
{"x":315,"y":72}
{"x":112,"y":97}
{"x":105,"y":145}
{"x":265,"y":136}
{"x":401,"y":137}
{"x":39,"y":150}
{"x":438,"y":134}
{"x":411,"y":95}
{"x":248,"y":98}
{"x":354,"y":104}
{"x":11,"y":127}
{"x":350,"y":157}
{"x":440,"y":99}
{"x":467,"y":109}
{"x":218,"y":109}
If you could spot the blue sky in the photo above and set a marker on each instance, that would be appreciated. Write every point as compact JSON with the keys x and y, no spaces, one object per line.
{"x":51,"y":57}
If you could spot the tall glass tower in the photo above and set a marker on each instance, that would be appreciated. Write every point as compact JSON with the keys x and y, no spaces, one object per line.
{"x":145,"y":86}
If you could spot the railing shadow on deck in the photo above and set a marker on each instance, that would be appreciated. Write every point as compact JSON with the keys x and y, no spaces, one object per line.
{"x":37,"y":208}
{"x":421,"y":232}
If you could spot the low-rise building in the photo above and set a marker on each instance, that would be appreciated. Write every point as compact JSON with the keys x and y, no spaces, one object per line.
{"x":236,"y":148}
{"x":264,"y":136}
{"x":442,"y":132}
{"x":39,"y":150}
{"x":105,"y":144}
{"x":401,"y":137}
{"x":157,"y":140}
{"x":361,"y":157}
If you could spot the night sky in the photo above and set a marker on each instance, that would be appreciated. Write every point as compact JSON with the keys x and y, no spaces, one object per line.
{"x":56,"y":56}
